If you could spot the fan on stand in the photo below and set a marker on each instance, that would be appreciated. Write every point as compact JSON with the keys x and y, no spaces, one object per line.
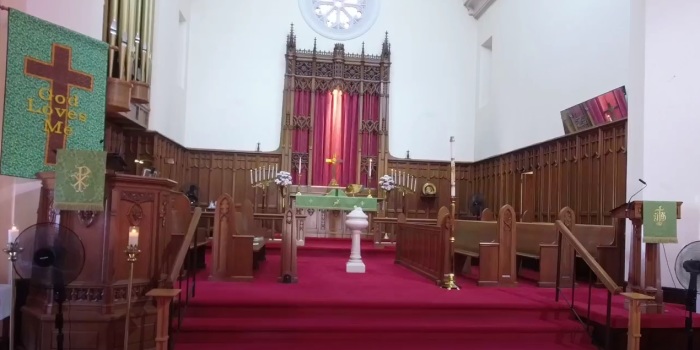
{"x":687,"y":271}
{"x":52,"y":256}
{"x":476,"y":205}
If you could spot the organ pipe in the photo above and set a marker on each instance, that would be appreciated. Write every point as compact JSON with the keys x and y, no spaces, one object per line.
{"x":138,"y":25}
{"x":146,"y":39}
{"x":130,"y":39}
{"x":128,"y":28}
{"x":111,"y":28}
{"x":149,"y":42}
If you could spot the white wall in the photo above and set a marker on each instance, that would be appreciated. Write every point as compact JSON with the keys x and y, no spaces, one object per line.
{"x":236,"y":73}
{"x":548,"y":55}
{"x":665,"y":92}
{"x":82,"y":16}
{"x":168,"y":103}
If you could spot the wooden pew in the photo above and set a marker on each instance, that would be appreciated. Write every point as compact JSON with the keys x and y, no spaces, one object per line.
{"x":538,"y":241}
{"x":232,"y":253}
{"x":493,"y":243}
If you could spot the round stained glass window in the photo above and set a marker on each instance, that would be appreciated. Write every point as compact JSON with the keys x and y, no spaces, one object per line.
{"x":340,"y":19}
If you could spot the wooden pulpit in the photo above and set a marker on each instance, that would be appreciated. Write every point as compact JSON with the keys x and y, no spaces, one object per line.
{"x":651,"y":283}
{"x":96,"y":301}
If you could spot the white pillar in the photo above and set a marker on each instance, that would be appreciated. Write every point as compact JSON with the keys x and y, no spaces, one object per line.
{"x":664,"y":114}
{"x":356,"y":221}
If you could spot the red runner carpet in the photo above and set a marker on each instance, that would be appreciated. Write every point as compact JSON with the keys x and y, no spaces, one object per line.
{"x":389,"y":307}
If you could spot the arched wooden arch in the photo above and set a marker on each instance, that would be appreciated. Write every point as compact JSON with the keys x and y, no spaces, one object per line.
{"x":310,"y":75}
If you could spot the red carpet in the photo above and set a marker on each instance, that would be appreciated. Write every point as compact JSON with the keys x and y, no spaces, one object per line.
{"x":388,"y":307}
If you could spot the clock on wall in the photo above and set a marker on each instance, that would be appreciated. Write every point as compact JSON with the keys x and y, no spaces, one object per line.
{"x":340,"y":19}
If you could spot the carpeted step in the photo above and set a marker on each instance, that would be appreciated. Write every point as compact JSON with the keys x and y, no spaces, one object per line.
{"x":367,"y":333}
{"x":367,"y":310}
{"x":375,"y":343}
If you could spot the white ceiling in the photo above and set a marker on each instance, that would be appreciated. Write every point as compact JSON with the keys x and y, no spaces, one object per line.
{"x":477,"y":8}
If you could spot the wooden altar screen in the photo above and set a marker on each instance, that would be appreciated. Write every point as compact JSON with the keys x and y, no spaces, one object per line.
{"x":311,"y":77}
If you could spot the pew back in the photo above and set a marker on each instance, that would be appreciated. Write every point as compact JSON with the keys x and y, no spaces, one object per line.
{"x":594,"y":236}
{"x":531,"y":235}
{"x":469,"y":234}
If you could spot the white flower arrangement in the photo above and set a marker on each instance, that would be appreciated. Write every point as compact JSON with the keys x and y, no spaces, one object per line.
{"x":387,"y":183}
{"x":283,"y":179}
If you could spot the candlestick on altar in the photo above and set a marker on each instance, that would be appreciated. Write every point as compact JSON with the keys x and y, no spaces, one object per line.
{"x":370,"y":169}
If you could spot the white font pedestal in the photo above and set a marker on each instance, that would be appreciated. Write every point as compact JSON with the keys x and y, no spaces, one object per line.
{"x":356,"y":222}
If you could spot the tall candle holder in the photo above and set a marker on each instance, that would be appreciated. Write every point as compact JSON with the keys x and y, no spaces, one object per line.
{"x":12,"y":250}
{"x":449,"y":279}
{"x":132,"y":251}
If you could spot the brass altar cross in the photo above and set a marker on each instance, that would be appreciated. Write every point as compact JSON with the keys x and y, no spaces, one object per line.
{"x":334,"y":165}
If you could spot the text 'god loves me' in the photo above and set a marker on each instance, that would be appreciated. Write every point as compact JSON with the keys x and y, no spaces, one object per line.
{"x":48,"y":104}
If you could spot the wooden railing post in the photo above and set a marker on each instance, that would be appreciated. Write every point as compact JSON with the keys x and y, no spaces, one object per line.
{"x":634,"y":331}
{"x":163,"y":299}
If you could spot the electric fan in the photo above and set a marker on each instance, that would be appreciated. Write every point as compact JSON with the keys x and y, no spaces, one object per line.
{"x":687,"y":271}
{"x":52,"y":256}
{"x":476,"y":205}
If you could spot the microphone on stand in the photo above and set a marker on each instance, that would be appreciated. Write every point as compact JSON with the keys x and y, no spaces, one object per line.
{"x":629,"y":201}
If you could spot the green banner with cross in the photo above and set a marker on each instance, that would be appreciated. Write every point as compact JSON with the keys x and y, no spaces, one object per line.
{"x":660,"y":222}
{"x":55,"y":93}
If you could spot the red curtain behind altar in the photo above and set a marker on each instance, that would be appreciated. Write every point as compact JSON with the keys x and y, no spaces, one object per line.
{"x":300,"y":137}
{"x":370,"y":139}
{"x":336,"y":125}
{"x":323,"y":111}
{"x":350,"y":126}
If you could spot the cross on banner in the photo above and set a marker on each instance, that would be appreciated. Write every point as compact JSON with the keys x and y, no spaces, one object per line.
{"x":61,"y":77}
{"x":334,"y":165}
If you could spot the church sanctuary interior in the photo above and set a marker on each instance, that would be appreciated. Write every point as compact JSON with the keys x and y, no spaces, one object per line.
{"x":349,"y":174}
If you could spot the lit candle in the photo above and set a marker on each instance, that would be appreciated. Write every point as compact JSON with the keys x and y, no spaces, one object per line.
{"x":452,"y":177}
{"x":251,"y":176}
{"x":414,"y":184}
{"x":134,"y":236}
{"x":299,"y":168}
{"x":452,"y":142}
{"x":256,"y":175}
{"x":12,"y":234}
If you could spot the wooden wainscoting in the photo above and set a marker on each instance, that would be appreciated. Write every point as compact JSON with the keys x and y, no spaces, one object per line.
{"x":585,"y":171}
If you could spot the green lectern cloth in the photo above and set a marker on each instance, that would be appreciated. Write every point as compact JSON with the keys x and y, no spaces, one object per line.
{"x":335,"y":200}
{"x":660,"y":222}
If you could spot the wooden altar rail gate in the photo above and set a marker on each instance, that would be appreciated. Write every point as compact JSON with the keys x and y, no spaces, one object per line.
{"x":425,"y":249}
{"x":389,"y":225}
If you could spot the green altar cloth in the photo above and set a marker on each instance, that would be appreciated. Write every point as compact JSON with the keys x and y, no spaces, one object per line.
{"x":336,"y":199}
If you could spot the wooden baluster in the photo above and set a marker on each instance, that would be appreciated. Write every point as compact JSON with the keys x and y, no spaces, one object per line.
{"x":163,"y":298}
{"x":634,"y":334}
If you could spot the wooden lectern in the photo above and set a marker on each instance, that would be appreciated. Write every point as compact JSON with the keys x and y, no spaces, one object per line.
{"x":651,"y":283}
